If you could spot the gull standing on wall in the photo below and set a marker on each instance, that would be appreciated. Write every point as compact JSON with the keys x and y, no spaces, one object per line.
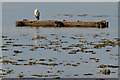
{"x":37,"y":14}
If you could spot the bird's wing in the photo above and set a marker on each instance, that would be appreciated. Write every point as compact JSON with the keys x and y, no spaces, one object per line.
{"x":36,"y":12}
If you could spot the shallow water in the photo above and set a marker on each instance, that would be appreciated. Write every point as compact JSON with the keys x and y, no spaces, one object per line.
{"x":59,"y":52}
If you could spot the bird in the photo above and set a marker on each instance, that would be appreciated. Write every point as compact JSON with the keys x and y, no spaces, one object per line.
{"x":37,"y":14}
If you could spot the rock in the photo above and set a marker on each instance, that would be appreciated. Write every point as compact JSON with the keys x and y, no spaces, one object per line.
{"x":106,"y":71}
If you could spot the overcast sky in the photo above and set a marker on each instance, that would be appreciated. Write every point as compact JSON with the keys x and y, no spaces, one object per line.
{"x":60,"y":0}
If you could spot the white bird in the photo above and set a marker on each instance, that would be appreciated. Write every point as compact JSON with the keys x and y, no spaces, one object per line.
{"x":37,"y":14}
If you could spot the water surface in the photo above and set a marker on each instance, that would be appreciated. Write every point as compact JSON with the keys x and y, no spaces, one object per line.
{"x":59,"y":52}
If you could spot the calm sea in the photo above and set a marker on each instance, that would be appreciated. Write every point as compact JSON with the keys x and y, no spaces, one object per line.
{"x":59,"y":52}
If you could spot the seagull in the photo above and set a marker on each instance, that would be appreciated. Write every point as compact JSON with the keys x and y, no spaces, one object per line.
{"x":37,"y":13}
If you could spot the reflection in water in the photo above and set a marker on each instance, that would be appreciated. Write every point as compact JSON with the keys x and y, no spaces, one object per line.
{"x":36,"y":34}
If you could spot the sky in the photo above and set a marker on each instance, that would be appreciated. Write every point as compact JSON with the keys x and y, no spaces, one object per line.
{"x":60,"y":0}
